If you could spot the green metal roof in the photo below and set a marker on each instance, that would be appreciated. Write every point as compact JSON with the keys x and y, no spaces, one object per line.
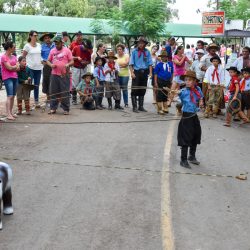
{"x":25,"y":23}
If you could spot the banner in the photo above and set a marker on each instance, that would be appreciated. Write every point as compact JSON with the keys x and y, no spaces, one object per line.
{"x":213,"y":23}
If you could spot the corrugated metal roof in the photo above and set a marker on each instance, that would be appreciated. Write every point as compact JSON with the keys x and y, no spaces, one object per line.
{"x":25,"y":23}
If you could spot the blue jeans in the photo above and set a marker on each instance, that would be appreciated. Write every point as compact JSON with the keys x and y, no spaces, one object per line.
{"x":123,"y":82}
{"x":10,"y":86}
{"x":36,"y":77}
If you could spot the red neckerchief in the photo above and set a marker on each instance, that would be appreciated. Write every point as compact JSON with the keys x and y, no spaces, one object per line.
{"x":215,"y":73}
{"x":194,"y":90}
{"x":111,"y":66}
{"x":141,"y":51}
{"x":100,"y":69}
{"x":243,"y":84}
{"x":88,"y":90}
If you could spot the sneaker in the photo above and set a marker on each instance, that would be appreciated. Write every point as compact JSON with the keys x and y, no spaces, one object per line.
{"x":185,"y":164}
{"x":99,"y":107}
{"x":74,"y":102}
{"x":193,"y":160}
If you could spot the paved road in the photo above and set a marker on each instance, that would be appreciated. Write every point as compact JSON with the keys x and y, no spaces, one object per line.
{"x":100,"y":185}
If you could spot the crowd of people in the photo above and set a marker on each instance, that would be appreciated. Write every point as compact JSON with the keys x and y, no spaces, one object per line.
{"x":65,"y":70}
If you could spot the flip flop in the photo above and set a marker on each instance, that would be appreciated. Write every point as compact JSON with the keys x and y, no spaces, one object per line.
{"x":10,"y":118}
{"x":66,"y":112}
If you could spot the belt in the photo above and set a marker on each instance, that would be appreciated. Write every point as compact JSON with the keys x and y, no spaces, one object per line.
{"x":141,"y":70}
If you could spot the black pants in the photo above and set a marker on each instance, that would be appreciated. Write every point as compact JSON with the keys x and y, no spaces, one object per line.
{"x":184,"y":151}
{"x":141,"y":80}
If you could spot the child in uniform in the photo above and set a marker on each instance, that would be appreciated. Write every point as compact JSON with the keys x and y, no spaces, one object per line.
{"x":85,"y":90}
{"x":23,"y":90}
{"x":214,"y":78}
{"x":163,"y":75}
{"x":99,"y":81}
{"x":245,"y":90}
{"x":234,"y":90}
{"x":189,"y":129}
{"x":111,"y":70}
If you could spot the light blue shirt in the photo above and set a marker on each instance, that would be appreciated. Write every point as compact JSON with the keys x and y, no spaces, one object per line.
{"x":46,"y":50}
{"x":247,"y":85}
{"x":142,"y":62}
{"x":187,"y":104}
{"x":99,"y":73}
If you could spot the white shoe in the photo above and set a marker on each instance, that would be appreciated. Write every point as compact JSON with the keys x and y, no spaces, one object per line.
{"x":8,"y":210}
{"x":1,"y":225}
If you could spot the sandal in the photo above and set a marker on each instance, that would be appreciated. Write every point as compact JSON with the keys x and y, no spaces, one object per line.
{"x":66,"y":112}
{"x":51,"y":112}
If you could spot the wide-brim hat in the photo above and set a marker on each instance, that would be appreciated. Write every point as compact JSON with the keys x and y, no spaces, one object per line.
{"x":200,"y":51}
{"x":46,"y":34}
{"x":213,"y":46}
{"x":142,"y":39}
{"x":189,"y":73}
{"x":97,"y":58}
{"x":246,"y":69}
{"x":234,"y":69}
{"x":79,"y":33}
{"x":164,"y":53}
{"x":215,"y":58}
{"x":29,"y":86}
{"x":111,"y":54}
{"x":88,"y":74}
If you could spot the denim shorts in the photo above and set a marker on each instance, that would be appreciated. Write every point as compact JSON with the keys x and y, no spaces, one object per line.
{"x":11,"y":86}
{"x":178,"y":80}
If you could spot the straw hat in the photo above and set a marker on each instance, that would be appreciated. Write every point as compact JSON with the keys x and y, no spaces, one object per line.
{"x":88,"y":74}
{"x":189,"y":73}
{"x":142,"y":39}
{"x":163,"y":54}
{"x":213,"y":46}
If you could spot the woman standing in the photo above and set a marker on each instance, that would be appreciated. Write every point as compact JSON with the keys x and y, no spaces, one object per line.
{"x":179,"y":61}
{"x":10,"y":67}
{"x":32,"y":52}
{"x":123,"y":62}
{"x":100,"y":52}
{"x":155,"y":60}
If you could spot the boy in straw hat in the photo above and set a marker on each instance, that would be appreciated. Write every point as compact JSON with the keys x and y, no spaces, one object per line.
{"x":234,"y":90}
{"x":85,"y":90}
{"x":163,"y":74}
{"x":189,"y":129}
{"x":111,"y":70}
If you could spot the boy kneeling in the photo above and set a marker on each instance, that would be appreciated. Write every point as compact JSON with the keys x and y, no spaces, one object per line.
{"x":85,"y":90}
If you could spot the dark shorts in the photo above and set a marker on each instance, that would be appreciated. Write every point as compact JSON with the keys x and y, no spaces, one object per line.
{"x":245,"y":100}
{"x":46,"y":79}
{"x":162,"y":95}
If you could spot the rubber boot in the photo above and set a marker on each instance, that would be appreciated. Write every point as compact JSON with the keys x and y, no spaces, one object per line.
{"x":134,"y":103}
{"x":74,"y":96}
{"x":98,"y":103}
{"x":192,"y":159}
{"x":19,"y":107}
{"x":165,"y":107}
{"x":228,"y":120}
{"x":178,"y":108}
{"x":117,"y":104}
{"x":243,"y":117}
{"x":141,"y":102}
{"x":27,"y":106}
{"x":159,"y":108}
{"x":184,"y":151}
{"x":110,"y":103}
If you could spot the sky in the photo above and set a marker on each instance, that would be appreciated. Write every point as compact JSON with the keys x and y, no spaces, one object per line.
{"x":187,"y":10}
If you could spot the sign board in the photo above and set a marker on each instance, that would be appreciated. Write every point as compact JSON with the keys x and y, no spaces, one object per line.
{"x":213,"y":23}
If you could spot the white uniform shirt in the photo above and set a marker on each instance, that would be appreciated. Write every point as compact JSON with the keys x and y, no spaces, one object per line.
{"x":110,"y":77}
{"x":214,"y":78}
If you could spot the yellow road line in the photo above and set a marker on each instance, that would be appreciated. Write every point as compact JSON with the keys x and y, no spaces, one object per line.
{"x":166,"y":223}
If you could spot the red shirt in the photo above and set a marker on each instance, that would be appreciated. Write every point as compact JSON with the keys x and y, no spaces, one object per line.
{"x":74,"y":44}
{"x":234,"y":80}
{"x":80,"y":51}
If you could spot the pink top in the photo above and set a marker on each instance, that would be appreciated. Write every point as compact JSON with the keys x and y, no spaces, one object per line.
{"x":179,"y":69}
{"x":6,"y":74}
{"x":60,"y":58}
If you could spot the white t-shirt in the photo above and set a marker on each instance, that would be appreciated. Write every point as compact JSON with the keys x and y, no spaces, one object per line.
{"x":189,"y":54}
{"x":33,"y":57}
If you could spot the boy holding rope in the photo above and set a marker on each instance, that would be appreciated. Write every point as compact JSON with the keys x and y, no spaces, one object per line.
{"x":235,"y":98}
{"x":189,"y":129}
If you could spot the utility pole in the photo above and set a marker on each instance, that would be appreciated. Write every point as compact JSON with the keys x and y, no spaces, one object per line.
{"x":120,"y":4}
{"x":217,"y":4}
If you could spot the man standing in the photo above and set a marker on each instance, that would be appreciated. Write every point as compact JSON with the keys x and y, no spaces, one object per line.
{"x":65,"y":38}
{"x":244,"y":60}
{"x":140,"y":68}
{"x":60,"y":59}
{"x":47,"y":46}
{"x":82,"y":57}
{"x":169,"y":47}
